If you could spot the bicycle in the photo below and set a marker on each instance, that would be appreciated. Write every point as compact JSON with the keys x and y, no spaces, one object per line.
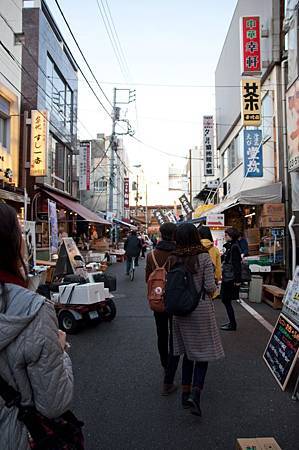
{"x":132,"y":269}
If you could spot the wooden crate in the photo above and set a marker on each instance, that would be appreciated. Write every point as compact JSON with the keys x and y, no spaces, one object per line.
{"x":273,"y":295}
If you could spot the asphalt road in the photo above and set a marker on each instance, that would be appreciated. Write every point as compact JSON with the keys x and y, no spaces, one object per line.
{"x":118,"y":382}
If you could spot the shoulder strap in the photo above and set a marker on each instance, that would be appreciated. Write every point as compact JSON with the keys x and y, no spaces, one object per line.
{"x":10,"y":396}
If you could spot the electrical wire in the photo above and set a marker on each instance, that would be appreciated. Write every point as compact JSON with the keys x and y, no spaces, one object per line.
{"x":82,"y":54}
{"x":111,"y":37}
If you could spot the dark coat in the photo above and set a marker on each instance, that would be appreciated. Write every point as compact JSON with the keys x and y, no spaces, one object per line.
{"x":232,"y":254}
{"x":132,"y":246}
{"x":162,"y":252}
{"x":244,"y":246}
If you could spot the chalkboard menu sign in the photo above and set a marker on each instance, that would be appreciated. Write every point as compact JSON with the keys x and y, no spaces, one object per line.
{"x":282,"y":350}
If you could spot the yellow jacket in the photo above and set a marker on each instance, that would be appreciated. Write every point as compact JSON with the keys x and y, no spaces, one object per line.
{"x":215,"y":257}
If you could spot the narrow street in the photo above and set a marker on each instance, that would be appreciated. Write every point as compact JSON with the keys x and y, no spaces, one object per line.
{"x":118,"y":380}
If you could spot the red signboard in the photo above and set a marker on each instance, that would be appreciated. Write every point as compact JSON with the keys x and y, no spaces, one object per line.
{"x":250,"y":45}
{"x":126,"y":193}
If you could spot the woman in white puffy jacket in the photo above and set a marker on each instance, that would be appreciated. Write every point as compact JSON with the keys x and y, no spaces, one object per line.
{"x":32,"y":356}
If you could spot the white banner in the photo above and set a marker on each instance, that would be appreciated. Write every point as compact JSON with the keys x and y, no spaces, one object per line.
{"x":208,"y":146}
{"x":84,"y":166}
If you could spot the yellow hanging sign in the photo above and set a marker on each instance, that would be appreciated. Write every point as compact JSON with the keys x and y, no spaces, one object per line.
{"x":251,"y":102}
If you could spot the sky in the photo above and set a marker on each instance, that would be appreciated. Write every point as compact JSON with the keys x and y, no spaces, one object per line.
{"x":171,"y":49}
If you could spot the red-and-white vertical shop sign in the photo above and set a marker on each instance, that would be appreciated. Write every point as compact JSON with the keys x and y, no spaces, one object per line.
{"x":250,"y":35}
{"x":126,"y":193}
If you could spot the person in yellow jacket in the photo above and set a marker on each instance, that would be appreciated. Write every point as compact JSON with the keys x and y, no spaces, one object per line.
{"x":207,"y":241}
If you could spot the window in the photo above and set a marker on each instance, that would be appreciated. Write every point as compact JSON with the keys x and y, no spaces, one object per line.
{"x":100,"y":186}
{"x":233,"y":155}
{"x":4,"y":126}
{"x":61,"y":166}
{"x":60,"y":96}
{"x":267,"y":117}
{"x":4,"y":122}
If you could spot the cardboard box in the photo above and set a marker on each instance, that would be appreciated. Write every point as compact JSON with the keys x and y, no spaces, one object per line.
{"x":273,"y":209}
{"x":252,"y":235}
{"x":272,"y":221}
{"x":257,"y":444}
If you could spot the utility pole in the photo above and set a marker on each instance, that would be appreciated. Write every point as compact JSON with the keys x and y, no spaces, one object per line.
{"x":113,"y":144}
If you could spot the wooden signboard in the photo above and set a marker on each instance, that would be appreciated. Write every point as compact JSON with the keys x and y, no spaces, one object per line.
{"x":66,"y":262}
{"x":282,"y":350}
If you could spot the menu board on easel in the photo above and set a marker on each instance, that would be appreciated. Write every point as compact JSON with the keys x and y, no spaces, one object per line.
{"x":282,"y":350}
{"x":66,"y":262}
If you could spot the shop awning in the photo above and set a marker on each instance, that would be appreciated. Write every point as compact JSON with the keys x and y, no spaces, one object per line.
{"x":76,"y":207}
{"x":12,"y":196}
{"x":124,"y":224}
{"x":271,"y":193}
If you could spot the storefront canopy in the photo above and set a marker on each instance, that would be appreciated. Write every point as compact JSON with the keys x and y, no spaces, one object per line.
{"x":76,"y":207}
{"x":124,"y":224}
{"x":271,"y":193}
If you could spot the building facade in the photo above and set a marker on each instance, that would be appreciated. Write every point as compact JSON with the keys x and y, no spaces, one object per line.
{"x":96,"y":198}
{"x":230,"y":131}
{"x":10,"y":101}
{"x":49,"y":86}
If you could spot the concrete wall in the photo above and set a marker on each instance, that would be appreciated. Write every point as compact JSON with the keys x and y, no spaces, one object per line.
{"x":12,"y":12}
{"x":228,"y":71}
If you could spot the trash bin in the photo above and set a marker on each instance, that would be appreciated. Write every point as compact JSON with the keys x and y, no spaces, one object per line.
{"x":255,"y":289}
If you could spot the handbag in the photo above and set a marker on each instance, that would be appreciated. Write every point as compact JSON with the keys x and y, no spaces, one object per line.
{"x":63,"y":433}
{"x":245,"y":272}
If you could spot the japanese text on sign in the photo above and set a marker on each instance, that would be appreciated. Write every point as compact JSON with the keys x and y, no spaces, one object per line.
{"x":39,"y":142}
{"x":208,"y":145}
{"x":253,"y":153}
{"x":251,"y":102}
{"x":250,"y":45}
{"x":159,"y":216}
{"x":126,"y":193}
{"x":84,"y":166}
{"x":186,"y":204}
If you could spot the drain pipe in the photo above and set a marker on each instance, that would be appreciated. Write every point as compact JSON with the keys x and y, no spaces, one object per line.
{"x":293,"y":240}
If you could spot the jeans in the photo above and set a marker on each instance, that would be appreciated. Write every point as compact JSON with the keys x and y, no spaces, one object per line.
{"x":129,"y":261}
{"x":194,"y":372}
{"x":165,"y":346}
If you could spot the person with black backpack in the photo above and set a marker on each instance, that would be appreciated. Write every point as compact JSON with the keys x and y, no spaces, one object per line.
{"x":157,"y":259}
{"x":231,"y":276}
{"x":188,"y":296}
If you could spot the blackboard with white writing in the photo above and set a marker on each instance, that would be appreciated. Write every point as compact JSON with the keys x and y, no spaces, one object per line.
{"x":282,"y":350}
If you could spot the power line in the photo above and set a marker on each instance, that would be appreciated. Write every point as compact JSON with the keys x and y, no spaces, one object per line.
{"x":111,"y":37}
{"x":118,"y":41}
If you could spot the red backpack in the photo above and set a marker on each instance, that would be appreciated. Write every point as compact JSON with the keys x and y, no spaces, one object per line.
{"x":156,"y":287}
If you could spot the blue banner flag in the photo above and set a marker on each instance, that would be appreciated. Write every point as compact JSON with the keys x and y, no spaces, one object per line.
{"x":253,"y":153}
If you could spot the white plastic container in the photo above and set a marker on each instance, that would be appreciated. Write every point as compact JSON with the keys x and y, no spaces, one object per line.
{"x":255,"y":289}
{"x":83,"y":294}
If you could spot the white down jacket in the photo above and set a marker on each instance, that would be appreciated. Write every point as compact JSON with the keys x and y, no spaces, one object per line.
{"x":32,"y":361}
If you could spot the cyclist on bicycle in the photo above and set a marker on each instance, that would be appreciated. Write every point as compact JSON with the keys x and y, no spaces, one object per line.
{"x":132,"y":248}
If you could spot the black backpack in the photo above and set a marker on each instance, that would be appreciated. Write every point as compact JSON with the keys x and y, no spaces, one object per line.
{"x":181,"y":296}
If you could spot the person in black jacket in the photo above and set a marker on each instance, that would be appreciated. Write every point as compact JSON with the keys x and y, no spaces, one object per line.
{"x":132,"y":248}
{"x":230,"y":289}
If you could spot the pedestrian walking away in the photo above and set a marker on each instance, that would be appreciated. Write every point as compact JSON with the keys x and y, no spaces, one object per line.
{"x":207,"y":241}
{"x":196,"y":336}
{"x":132,"y":248}
{"x":231,"y":276}
{"x":158,"y":257}
{"x":32,"y":357}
